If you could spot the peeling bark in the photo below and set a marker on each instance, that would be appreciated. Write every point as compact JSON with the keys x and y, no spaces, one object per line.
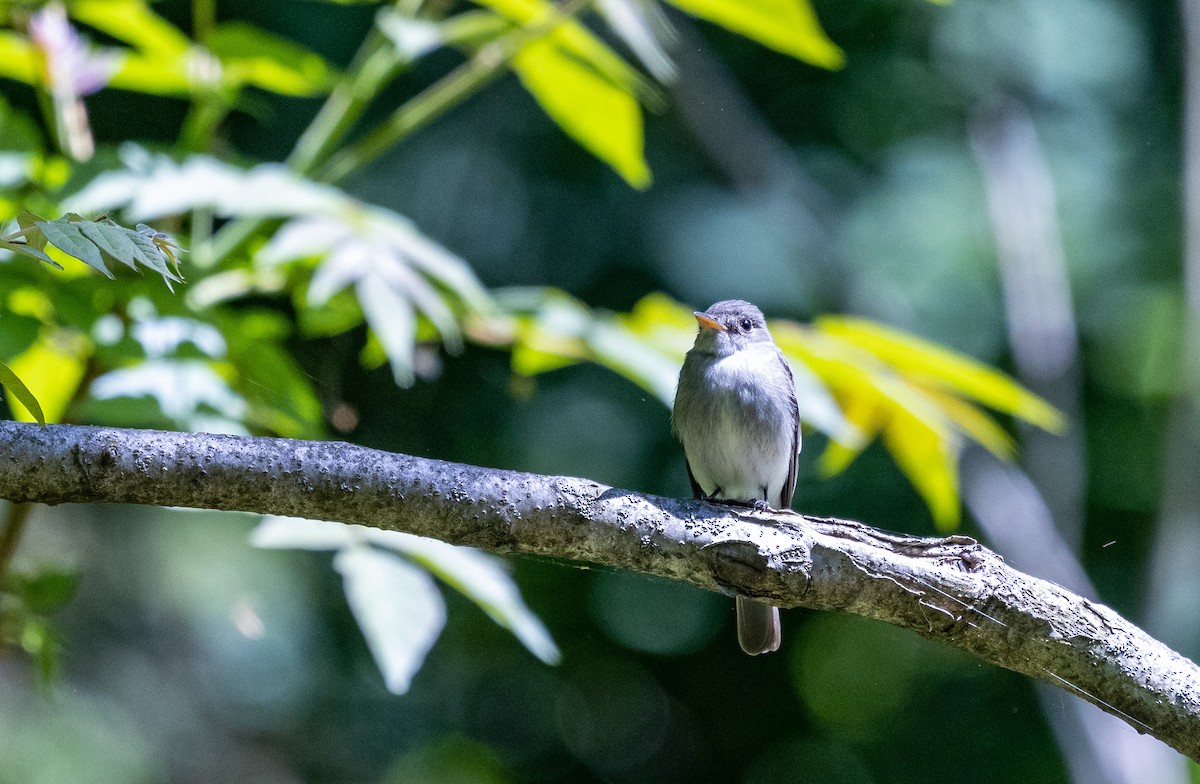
{"x":948,"y":589}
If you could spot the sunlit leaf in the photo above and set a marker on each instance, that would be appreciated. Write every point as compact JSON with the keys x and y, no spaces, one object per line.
{"x":152,"y":186}
{"x":975,"y":423}
{"x":392,"y":320}
{"x":863,"y":413}
{"x":573,"y":38}
{"x":583,"y":86}
{"x":18,"y":60}
{"x":931,"y":464}
{"x":52,"y":370}
{"x":602,"y":116}
{"x":134,"y":23}
{"x":15,"y":387}
{"x":937,"y":365}
{"x":482,"y":579}
{"x":395,"y":273}
{"x":820,"y":410}
{"x":188,"y":392}
{"x":156,"y":75}
{"x":787,"y":26}
{"x":162,"y":60}
{"x":397,"y":606}
{"x":544,"y":329}
{"x":276,"y":531}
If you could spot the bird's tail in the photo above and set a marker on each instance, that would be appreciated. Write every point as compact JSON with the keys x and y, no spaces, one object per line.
{"x":757,"y":626}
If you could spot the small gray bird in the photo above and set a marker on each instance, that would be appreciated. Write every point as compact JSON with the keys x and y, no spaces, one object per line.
{"x":736,"y":415}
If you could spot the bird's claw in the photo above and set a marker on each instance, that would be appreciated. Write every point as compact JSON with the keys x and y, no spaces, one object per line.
{"x":757,"y":504}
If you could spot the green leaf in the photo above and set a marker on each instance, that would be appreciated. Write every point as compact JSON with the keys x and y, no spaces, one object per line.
{"x":19,"y":134}
{"x":47,"y":590}
{"x":38,"y":640}
{"x":397,"y":606}
{"x":940,"y":366}
{"x":113,"y":244}
{"x":279,"y":392}
{"x":250,"y":55}
{"x":16,"y":387}
{"x":787,"y":26}
{"x":52,"y":370}
{"x":93,"y":241}
{"x":22,"y":249}
{"x":601,"y":115}
{"x":69,"y":238}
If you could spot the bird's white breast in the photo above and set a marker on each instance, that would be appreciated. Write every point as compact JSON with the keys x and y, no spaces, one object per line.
{"x":741,"y":436}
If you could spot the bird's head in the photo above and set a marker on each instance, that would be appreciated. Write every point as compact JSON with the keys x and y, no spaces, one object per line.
{"x":730,"y":326}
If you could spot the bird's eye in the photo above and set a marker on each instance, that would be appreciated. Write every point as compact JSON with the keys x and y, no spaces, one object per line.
{"x":746,"y":324}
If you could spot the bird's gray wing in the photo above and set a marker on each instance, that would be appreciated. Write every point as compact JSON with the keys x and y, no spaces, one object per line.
{"x":697,"y":491}
{"x":789,"y":485}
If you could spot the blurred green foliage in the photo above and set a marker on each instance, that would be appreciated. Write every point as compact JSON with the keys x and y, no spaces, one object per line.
{"x":392,"y":237}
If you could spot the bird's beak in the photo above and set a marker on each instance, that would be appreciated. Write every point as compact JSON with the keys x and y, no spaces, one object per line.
{"x":707,"y":323}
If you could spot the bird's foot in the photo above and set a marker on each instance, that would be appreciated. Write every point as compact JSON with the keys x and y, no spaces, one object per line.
{"x":757,"y":504}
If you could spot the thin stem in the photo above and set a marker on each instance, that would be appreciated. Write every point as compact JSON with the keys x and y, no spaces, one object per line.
{"x":374,"y":65}
{"x":444,"y":94}
{"x":368,"y":74}
{"x":204,"y":18}
{"x":10,"y":534}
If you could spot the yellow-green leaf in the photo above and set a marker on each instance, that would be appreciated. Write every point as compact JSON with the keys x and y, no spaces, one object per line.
{"x":929,"y":458}
{"x":601,"y":115}
{"x":17,"y":390}
{"x":132,"y":22}
{"x":974,"y":422}
{"x":663,"y":323}
{"x":253,"y":56}
{"x":934,"y":364}
{"x":155,"y":75}
{"x":787,"y":26}
{"x":18,"y":60}
{"x":52,"y":370}
{"x":861,"y":410}
{"x":572,"y":37}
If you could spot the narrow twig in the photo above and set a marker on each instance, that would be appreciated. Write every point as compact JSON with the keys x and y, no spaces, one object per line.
{"x":10,"y":535}
{"x":449,"y":91}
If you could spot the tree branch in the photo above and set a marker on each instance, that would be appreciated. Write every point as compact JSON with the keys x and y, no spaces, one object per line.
{"x":952,"y":590}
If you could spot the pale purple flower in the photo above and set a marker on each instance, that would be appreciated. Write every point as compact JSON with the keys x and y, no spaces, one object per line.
{"x":71,"y":64}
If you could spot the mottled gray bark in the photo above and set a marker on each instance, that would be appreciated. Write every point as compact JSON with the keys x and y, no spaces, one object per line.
{"x":952,"y":590}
